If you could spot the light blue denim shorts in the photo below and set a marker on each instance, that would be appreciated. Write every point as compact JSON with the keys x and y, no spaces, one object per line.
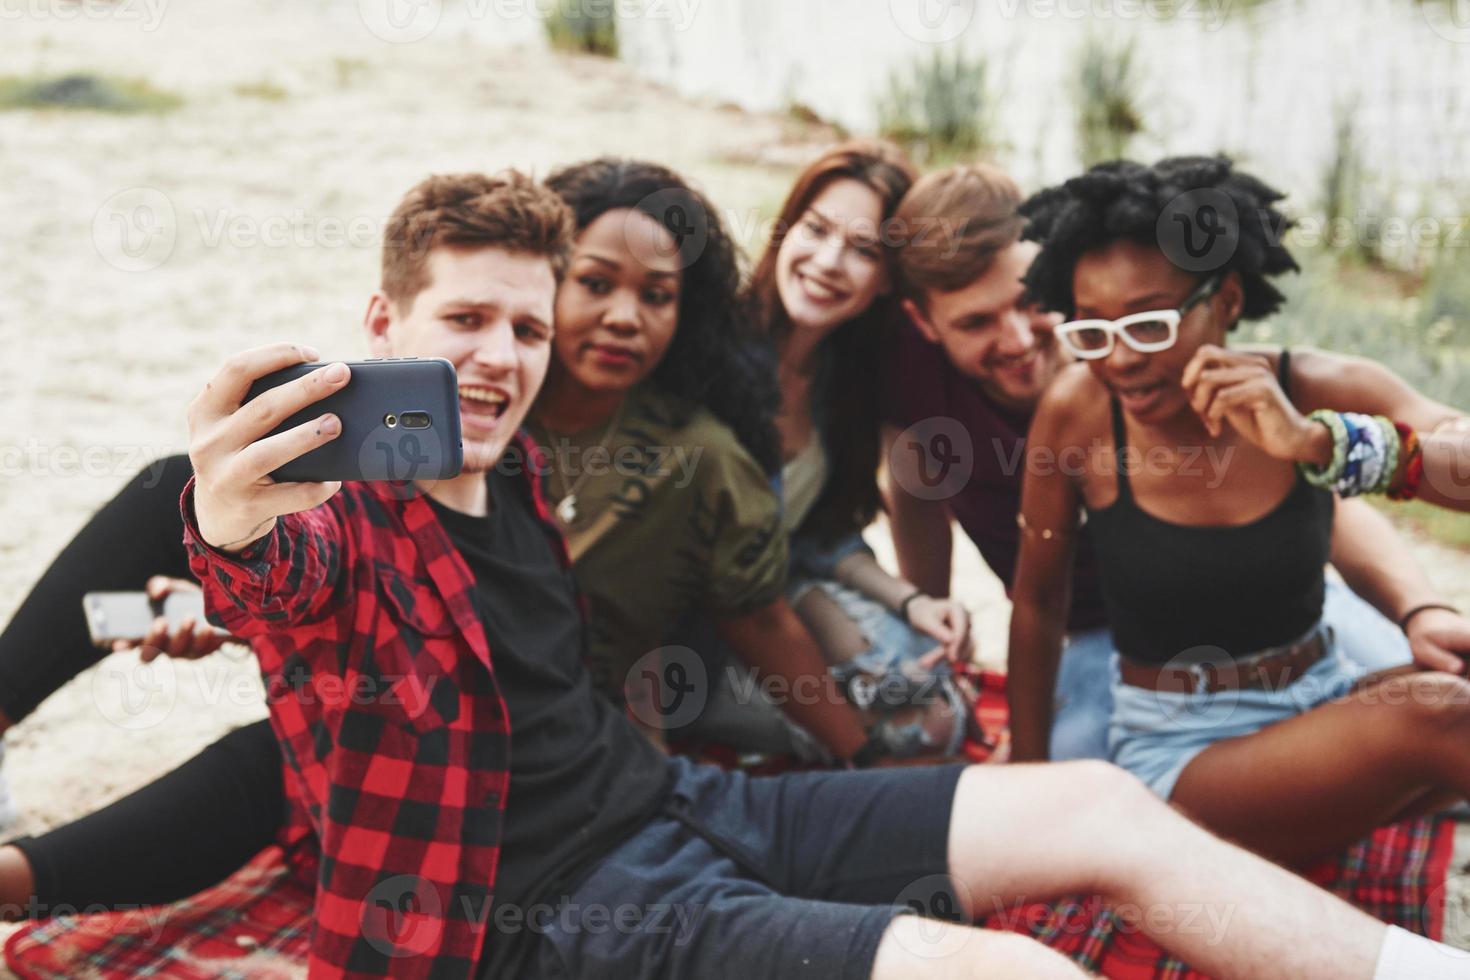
{"x":1155,"y":734}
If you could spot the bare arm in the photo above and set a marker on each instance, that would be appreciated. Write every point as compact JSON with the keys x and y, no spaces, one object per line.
{"x":773,"y":640}
{"x":1377,"y":564}
{"x":922,"y":535}
{"x":1042,"y":592}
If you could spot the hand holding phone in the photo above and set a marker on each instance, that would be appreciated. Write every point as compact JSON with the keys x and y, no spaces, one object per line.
{"x":233,"y":450}
{"x":168,"y":618}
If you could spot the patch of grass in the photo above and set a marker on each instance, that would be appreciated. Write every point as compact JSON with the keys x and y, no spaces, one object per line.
{"x":1450,"y":528}
{"x":940,"y":107}
{"x":573,"y":25}
{"x":86,"y":92}
{"x":264,"y":90}
{"x":1107,"y":87}
{"x":349,"y":70}
{"x":1424,"y":337}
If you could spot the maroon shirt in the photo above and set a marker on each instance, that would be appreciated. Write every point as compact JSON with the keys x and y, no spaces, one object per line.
{"x":921,"y":387}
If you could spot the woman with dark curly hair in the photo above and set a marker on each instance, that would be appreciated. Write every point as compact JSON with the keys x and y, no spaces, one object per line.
{"x":655,"y":422}
{"x":1231,"y":699}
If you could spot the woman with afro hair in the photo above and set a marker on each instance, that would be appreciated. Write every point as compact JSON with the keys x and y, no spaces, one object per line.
{"x":1207,"y":478}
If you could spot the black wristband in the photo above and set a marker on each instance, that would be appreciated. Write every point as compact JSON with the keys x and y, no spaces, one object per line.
{"x":903,"y":607}
{"x":1406,"y":617}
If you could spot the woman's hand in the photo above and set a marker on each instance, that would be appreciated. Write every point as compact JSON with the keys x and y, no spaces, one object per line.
{"x":1241,"y":390}
{"x":1439,"y":640}
{"x":947,"y":621}
{"x":190,"y":641}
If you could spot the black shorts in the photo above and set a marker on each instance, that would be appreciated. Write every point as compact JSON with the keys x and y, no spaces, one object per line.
{"x":745,"y":878}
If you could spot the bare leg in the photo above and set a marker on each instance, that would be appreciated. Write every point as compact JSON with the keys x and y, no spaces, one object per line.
{"x":1309,"y":786}
{"x":834,"y":631}
{"x":1035,"y":832}
{"x":17,"y":884}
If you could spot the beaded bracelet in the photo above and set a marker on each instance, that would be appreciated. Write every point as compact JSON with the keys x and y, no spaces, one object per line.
{"x":1324,"y":477}
{"x":1406,"y":478}
{"x":1366,"y":451}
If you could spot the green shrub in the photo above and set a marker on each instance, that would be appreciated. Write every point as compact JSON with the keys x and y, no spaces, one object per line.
{"x":939,"y":107}
{"x":266,"y":91}
{"x":85,"y":91}
{"x":1107,"y":86}
{"x":574,"y":25}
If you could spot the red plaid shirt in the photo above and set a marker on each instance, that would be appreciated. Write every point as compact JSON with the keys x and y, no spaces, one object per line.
{"x":395,"y":736}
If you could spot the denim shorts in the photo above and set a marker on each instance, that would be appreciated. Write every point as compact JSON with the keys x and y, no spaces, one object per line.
{"x":743,"y":877}
{"x":1084,"y":701}
{"x":1155,"y":734}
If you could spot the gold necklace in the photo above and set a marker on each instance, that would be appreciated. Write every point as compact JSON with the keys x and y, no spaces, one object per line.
{"x":566,"y":508}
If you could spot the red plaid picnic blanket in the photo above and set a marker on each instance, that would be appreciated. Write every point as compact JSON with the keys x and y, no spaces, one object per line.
{"x":255,"y":924}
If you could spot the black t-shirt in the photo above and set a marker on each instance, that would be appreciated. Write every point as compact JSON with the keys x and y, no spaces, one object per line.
{"x":582,"y":778}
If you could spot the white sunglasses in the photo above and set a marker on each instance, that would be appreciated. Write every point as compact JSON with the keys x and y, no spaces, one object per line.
{"x":1147,"y":333}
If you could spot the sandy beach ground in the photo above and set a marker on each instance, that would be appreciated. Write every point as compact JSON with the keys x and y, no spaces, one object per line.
{"x":142,"y":250}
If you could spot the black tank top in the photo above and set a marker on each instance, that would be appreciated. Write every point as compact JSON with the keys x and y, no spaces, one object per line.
{"x":1175,"y":588}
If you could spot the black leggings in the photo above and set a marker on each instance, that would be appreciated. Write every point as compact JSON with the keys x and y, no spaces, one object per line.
{"x":187,"y":830}
{"x":136,"y":534}
{"x":195,"y":825}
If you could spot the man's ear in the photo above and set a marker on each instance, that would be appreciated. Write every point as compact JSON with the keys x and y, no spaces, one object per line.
{"x":921,"y":321}
{"x":375,"y":323}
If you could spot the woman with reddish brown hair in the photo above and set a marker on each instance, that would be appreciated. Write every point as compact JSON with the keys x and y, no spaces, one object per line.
{"x":822,"y":293}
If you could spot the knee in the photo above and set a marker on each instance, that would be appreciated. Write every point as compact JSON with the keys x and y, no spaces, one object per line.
{"x":1432,"y":702}
{"x":1093,"y":783}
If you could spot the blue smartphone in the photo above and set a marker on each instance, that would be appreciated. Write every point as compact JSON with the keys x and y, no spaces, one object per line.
{"x":400,"y":422}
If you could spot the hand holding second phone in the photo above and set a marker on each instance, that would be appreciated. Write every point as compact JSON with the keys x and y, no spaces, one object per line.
{"x":235,"y":500}
{"x":1240,"y":389}
{"x":191,"y":640}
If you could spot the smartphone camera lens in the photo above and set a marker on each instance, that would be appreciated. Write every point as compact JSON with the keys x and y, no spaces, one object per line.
{"x":416,"y":420}
{"x":390,"y":420}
